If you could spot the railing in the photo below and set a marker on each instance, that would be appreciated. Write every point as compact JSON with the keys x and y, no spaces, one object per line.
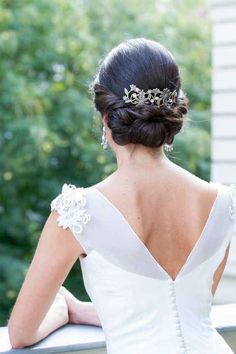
{"x":85,"y":339}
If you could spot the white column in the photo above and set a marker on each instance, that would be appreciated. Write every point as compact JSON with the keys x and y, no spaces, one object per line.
{"x":223,"y":146}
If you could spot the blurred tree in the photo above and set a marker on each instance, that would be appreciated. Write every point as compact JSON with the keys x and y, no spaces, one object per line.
{"x":50,"y":132}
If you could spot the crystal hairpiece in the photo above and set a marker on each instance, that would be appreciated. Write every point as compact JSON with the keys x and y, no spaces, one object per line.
{"x":152,"y":96}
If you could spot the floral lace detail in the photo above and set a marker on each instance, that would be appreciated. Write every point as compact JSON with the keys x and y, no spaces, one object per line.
{"x":232,"y":208}
{"x":70,"y":205}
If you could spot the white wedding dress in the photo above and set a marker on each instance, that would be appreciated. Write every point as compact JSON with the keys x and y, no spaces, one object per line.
{"x":141,"y":309}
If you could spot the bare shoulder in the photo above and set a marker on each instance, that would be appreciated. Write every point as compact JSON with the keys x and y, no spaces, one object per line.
{"x":203,"y":190}
{"x":107,"y":184}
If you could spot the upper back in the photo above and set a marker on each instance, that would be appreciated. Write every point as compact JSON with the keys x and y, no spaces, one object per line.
{"x":172,"y":226}
{"x":167,"y":215}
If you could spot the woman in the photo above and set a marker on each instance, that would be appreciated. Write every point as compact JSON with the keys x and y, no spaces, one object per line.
{"x":152,"y":238}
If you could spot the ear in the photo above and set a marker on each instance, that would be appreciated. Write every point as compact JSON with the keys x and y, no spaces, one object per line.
{"x":105,"y":118}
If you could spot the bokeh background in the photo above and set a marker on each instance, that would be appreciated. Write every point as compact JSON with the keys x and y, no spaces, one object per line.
{"x":50,"y":131}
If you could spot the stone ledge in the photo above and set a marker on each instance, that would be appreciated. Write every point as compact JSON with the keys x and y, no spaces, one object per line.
{"x":90,"y":339}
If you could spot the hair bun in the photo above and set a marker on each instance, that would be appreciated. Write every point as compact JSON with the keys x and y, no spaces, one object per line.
{"x":142,"y":123}
{"x":149,"y":125}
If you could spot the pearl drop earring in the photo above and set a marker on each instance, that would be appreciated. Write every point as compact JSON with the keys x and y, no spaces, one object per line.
{"x":168,"y":147}
{"x":104,"y":142}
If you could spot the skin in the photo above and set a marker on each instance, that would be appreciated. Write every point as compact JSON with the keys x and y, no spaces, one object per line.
{"x":34,"y":317}
{"x":42,"y":304}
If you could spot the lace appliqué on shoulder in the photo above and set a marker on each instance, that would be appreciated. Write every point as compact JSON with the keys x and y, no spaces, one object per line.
{"x":70,"y":205}
{"x":232,"y":208}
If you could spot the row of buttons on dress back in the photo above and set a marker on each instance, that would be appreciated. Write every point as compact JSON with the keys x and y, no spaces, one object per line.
{"x":182,"y":346}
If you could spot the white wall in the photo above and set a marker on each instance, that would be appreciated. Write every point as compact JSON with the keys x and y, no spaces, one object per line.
{"x":223,"y":147}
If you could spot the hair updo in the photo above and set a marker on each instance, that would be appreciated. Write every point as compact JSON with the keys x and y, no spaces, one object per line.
{"x":148,"y":65}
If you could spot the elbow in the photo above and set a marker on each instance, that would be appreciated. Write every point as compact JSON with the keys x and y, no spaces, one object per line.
{"x":16,"y":338}
{"x":16,"y":345}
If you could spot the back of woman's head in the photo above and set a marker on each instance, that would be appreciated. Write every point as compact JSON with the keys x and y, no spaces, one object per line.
{"x":148,"y":65}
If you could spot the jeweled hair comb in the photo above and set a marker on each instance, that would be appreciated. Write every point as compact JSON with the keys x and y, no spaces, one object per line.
{"x":154,"y":96}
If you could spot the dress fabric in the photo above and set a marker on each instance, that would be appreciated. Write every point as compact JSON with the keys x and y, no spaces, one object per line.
{"x":141,"y":308}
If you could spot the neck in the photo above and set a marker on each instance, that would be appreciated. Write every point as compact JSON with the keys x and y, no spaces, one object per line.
{"x":138,"y":157}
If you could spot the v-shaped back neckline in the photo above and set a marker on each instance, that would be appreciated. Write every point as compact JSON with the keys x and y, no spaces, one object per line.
{"x":138,"y":239}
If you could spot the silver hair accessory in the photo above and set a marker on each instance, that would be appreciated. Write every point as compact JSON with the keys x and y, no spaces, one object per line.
{"x":104,"y":142}
{"x":154,"y":96}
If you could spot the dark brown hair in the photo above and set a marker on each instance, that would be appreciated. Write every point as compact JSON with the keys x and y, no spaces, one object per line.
{"x":146,"y":64}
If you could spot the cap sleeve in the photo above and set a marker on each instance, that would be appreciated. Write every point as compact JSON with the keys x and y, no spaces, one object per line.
{"x":71,"y":207}
{"x":232,"y":208}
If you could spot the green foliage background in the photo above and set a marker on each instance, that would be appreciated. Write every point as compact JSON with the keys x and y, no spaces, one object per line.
{"x":50,"y":133}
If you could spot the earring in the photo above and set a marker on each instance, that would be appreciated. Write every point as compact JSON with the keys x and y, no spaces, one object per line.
{"x":104,"y":142}
{"x":168,"y":147}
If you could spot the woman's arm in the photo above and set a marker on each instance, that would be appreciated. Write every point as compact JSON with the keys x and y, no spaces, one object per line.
{"x":56,"y":317}
{"x":80,"y":312}
{"x":38,"y":310}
